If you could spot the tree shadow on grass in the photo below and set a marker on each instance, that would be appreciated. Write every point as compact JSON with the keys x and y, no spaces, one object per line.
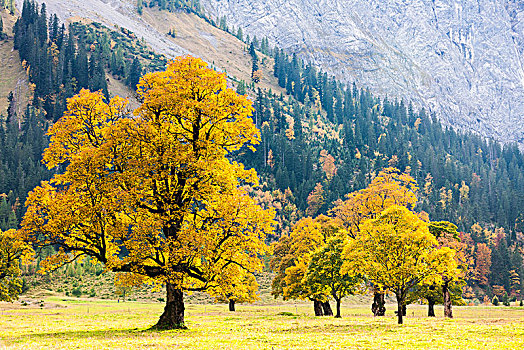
{"x":93,"y":334}
{"x":342,"y":328}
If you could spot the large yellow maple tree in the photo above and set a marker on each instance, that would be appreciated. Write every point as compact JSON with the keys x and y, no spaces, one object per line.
{"x":155,"y":194}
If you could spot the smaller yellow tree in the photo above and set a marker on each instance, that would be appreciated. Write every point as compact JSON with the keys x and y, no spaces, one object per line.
{"x":396,"y":252}
{"x":389,"y":187}
{"x":324,"y":275}
{"x":13,"y":250}
{"x":291,"y":256}
{"x":241,"y":287}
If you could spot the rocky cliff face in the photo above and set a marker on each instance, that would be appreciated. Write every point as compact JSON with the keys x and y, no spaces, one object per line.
{"x":462,"y":59}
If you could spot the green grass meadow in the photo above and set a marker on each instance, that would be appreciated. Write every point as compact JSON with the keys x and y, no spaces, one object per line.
{"x":64,"y":323}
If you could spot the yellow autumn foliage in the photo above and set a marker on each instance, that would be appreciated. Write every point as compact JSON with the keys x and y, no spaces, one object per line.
{"x":154,"y":194}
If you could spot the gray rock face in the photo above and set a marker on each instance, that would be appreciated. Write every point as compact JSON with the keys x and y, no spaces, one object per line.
{"x":462,"y":59}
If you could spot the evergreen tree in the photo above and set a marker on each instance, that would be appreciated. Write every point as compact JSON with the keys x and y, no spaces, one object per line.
{"x":134,"y":74}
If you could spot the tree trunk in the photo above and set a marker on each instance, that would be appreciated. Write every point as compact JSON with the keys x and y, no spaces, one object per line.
{"x":173,"y":316}
{"x":379,"y":305}
{"x":400,"y":310}
{"x":317,"y":306}
{"x":327,"y":308}
{"x":431,"y":307}
{"x":404,"y":310}
{"x":231,"y":305}
{"x":448,"y":311}
{"x":338,"y":308}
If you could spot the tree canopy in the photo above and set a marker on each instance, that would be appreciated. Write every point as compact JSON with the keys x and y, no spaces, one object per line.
{"x":397,"y":252}
{"x":13,"y":250}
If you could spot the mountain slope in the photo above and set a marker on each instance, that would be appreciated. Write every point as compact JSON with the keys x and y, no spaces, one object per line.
{"x":461,"y":59}
{"x":194,"y":35}
{"x":13,"y":78}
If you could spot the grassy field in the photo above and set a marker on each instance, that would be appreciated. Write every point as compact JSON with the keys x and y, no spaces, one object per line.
{"x":68,"y":323}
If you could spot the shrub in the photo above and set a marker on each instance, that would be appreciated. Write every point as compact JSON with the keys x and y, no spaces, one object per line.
{"x":77,"y":292}
{"x":505,"y":300}
{"x":285,"y":313}
{"x":495,"y":301}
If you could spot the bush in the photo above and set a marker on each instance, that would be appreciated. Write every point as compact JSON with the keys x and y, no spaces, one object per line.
{"x":495,"y":301}
{"x":77,"y":292}
{"x":285,"y":313}
{"x":521,"y":303}
{"x":505,"y":300}
{"x":92,"y":293}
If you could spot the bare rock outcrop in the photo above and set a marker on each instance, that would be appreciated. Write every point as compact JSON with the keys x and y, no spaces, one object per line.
{"x":462,"y":59}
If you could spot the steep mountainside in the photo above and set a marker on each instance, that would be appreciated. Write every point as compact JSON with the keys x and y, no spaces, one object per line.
{"x":194,"y":35}
{"x":461,"y":59}
{"x":13,"y":80}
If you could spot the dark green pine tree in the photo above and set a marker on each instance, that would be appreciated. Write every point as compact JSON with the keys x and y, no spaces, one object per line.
{"x":134,"y":74}
{"x":2,"y":34}
{"x":81,"y":67}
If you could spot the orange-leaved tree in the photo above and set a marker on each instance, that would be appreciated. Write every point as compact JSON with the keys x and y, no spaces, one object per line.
{"x":156,"y":194}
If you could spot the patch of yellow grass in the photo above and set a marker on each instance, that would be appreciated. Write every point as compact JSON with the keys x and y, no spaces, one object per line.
{"x":81,"y":324}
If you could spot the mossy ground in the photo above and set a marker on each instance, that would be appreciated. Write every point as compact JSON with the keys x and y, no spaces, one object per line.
{"x":71,"y":323}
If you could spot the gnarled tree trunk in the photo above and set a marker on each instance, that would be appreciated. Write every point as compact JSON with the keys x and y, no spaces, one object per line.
{"x":173,"y":316}
{"x":231,"y":305}
{"x":317,"y":307}
{"x":448,"y":311}
{"x":431,"y":307}
{"x":338,"y":308}
{"x":327,"y":308}
{"x":379,"y":305}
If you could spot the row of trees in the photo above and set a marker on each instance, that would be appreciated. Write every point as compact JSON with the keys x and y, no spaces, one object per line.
{"x":21,"y":149}
{"x":56,"y":68}
{"x":371,"y":240}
